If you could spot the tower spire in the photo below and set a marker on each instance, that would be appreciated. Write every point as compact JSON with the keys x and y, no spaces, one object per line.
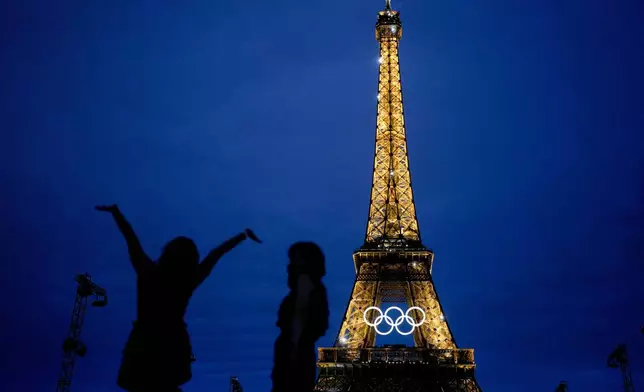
{"x":392,"y":214}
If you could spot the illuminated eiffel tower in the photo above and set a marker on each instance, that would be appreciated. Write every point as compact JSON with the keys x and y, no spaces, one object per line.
{"x":393,"y":266}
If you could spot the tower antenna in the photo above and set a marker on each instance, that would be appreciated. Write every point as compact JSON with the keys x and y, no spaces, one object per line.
{"x":388,"y":4}
{"x":72,"y":345}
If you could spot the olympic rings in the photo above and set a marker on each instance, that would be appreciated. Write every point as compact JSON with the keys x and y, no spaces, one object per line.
{"x":404,"y":316}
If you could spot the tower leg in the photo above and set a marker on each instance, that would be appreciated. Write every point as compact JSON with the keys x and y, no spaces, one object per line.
{"x":434,"y":332}
{"x":354,"y":333}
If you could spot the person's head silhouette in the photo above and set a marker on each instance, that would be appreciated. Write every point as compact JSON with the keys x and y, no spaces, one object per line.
{"x":305,"y":258}
{"x":180,"y":256}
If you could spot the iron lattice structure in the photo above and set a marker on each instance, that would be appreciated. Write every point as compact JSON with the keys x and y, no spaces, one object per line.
{"x":619,"y":359}
{"x":393,"y":266}
{"x":72,"y":345}
{"x":235,"y":385}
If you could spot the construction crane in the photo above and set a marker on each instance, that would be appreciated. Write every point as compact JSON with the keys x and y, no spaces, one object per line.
{"x":619,"y":359}
{"x":235,"y":385}
{"x":72,"y":345}
{"x":562,"y":387}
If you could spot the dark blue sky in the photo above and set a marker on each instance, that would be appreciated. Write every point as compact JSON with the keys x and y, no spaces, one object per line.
{"x":200,"y":118}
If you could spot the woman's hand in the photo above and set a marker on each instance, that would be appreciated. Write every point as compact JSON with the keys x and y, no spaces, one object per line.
{"x":249,"y":233}
{"x":111,"y":208}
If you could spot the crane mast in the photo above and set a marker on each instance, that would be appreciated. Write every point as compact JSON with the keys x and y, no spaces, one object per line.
{"x":72,"y":345}
{"x":619,"y":359}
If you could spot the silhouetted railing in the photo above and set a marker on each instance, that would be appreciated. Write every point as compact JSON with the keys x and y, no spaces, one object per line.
{"x":442,"y":358}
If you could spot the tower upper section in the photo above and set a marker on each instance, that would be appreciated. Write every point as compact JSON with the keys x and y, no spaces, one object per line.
{"x":388,"y":25}
{"x":392,"y":219}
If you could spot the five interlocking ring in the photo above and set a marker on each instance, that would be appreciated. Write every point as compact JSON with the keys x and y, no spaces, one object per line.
{"x":404,"y":316}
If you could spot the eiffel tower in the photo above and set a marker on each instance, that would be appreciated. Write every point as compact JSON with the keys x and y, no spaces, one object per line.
{"x":393,"y":266}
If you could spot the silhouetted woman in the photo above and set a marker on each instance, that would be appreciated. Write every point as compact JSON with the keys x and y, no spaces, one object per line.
{"x":158,"y":355}
{"x":303,"y":318}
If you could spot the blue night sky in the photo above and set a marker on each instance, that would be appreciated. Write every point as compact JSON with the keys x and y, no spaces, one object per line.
{"x":525,"y":129}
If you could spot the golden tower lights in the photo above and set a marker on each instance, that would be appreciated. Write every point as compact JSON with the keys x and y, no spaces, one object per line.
{"x":393,"y":265}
